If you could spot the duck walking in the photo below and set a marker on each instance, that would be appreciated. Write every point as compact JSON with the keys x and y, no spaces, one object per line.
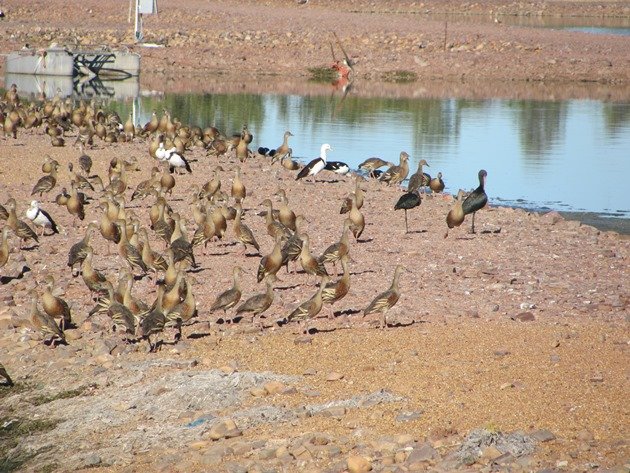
{"x":229,"y":298}
{"x":477,"y":199}
{"x":310,"y":308}
{"x":386,"y":300}
{"x":316,"y":165}
{"x":259,"y":303}
{"x":408,"y":201}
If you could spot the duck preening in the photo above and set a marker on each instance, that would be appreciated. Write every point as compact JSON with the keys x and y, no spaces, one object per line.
{"x":316,"y":165}
{"x":477,"y":199}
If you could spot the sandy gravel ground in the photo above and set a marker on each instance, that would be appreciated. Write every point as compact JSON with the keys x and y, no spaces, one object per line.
{"x":457,"y":353}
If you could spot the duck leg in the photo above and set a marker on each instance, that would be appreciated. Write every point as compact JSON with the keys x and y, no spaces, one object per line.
{"x":384,"y":320}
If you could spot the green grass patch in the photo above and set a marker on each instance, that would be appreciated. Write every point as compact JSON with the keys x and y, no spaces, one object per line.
{"x":400,"y":77}
{"x":322,"y":74}
{"x":45,"y":399}
{"x":12,"y":431}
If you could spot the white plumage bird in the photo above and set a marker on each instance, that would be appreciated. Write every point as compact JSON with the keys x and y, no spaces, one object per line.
{"x":41,"y":218}
{"x":316,"y":165}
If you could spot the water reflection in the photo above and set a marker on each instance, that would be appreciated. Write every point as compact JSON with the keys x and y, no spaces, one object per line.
{"x":30,"y":85}
{"x":567,"y":154}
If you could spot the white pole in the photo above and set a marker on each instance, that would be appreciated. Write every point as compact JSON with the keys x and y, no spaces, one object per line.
{"x":138,"y":24}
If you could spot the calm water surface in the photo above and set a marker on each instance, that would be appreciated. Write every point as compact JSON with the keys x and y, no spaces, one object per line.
{"x":572,"y":155}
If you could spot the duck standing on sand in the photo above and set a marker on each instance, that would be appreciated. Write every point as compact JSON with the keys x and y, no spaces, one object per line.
{"x":316,"y":165}
{"x":41,"y":218}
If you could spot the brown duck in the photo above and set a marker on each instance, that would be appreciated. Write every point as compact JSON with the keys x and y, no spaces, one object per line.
{"x":55,"y":306}
{"x":386,"y":300}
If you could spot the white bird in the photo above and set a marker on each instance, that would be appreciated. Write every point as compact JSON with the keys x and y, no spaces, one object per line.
{"x":41,"y":218}
{"x":316,"y":165}
{"x":161,"y":153}
{"x":337,"y":167}
{"x":176,"y":160}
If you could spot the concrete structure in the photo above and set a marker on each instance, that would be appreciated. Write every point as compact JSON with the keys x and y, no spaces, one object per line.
{"x":57,"y":61}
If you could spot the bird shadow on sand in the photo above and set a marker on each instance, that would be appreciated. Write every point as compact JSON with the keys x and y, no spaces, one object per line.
{"x":411,"y":232}
{"x":20,"y":275}
{"x":340,"y":313}
{"x":400,"y":324}
{"x":366,"y":240}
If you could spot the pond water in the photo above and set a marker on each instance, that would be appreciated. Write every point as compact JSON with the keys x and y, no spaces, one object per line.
{"x":569,"y":155}
{"x":595,"y":25}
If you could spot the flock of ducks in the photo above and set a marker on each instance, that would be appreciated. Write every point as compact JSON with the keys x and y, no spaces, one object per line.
{"x":136,"y":233}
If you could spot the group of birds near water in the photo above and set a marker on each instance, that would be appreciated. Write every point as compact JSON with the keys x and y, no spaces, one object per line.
{"x":211,"y":209}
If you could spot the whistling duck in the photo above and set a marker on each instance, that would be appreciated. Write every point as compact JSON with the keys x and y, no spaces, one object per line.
{"x":229,"y":298}
{"x":419,"y":179}
{"x":455,"y":216}
{"x":46,"y":183}
{"x":21,"y":229}
{"x":182,"y":248}
{"x":43,"y":322}
{"x":357,"y":220}
{"x":146,"y":187}
{"x":55,"y":306}
{"x":120,"y":314}
{"x":238,"y":188}
{"x":271,"y":263}
{"x":385,"y":301}
{"x":309,"y":264}
{"x":285,"y":215}
{"x":371,"y":164}
{"x":4,"y":246}
{"x":358,"y":193}
{"x":93,"y":279}
{"x":259,"y":303}
{"x":151,"y":258}
{"x":309,"y":309}
{"x":397,"y":174}
{"x":287,"y":162}
{"x":75,"y":205}
{"x":3,"y":371}
{"x":78,"y":251}
{"x":437,"y":184}
{"x":152,"y":322}
{"x":41,"y":218}
{"x":477,"y":199}
{"x":274,"y":228}
{"x":85,"y":162}
{"x":338,"y":250}
{"x":49,"y":164}
{"x":316,"y":165}
{"x":243,"y":232}
{"x":337,"y":290}
{"x":408,"y":201}
{"x":283,"y":149}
